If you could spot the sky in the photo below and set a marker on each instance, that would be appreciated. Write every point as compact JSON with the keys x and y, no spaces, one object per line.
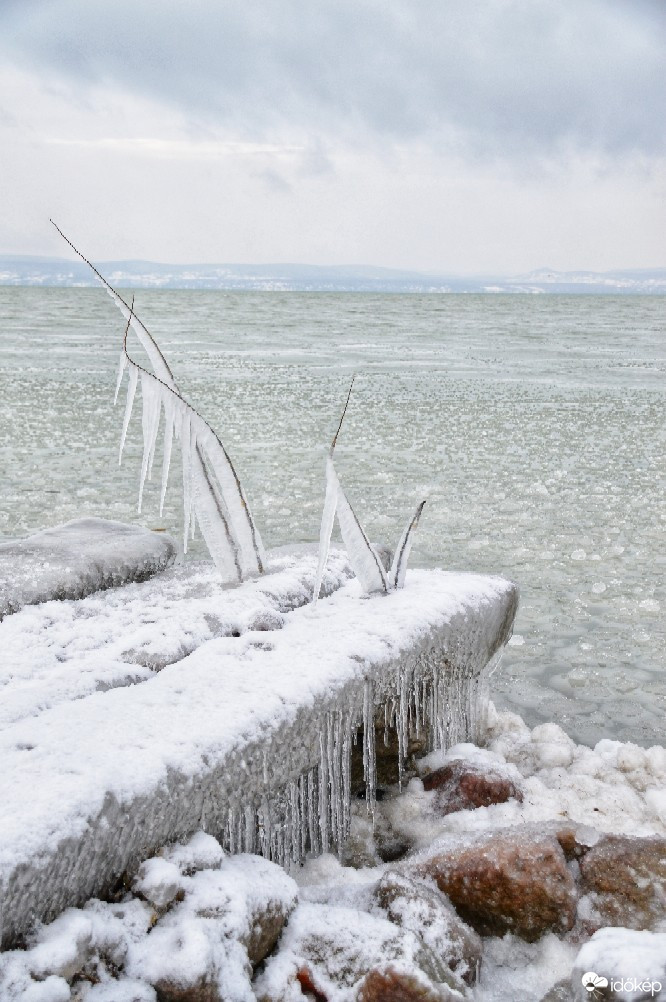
{"x":448,"y":136}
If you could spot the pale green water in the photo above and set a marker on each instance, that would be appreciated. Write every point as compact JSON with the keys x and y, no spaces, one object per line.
{"x":536,"y":424}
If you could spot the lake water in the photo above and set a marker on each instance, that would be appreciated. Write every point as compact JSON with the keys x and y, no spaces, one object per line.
{"x":534,"y":424}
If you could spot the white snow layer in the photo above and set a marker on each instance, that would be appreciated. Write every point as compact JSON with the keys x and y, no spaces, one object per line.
{"x":248,"y":736}
{"x":59,"y":651}
{"x":78,"y":558}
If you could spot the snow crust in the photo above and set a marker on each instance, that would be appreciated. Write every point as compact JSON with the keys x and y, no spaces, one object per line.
{"x":78,"y":558}
{"x":59,"y":651}
{"x":634,"y":962}
{"x":248,"y":737}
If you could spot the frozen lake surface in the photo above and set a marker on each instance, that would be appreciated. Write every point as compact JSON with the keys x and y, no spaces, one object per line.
{"x":536,"y":425}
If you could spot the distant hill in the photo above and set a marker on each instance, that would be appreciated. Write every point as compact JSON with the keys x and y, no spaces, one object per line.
{"x":51,"y":271}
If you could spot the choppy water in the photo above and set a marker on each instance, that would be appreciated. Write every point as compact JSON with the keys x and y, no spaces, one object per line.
{"x":535,"y":424}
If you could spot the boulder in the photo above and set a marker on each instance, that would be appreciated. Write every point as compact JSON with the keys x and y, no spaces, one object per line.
{"x":462,"y":786}
{"x":202,"y":991}
{"x":624,"y":883}
{"x":425,"y":911}
{"x":507,"y":882}
{"x":329,"y":949}
{"x":390,"y":985}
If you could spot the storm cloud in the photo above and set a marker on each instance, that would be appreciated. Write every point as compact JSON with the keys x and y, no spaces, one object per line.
{"x":499,"y":79}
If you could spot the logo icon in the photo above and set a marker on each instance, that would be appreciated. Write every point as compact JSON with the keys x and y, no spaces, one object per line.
{"x":592,"y":982}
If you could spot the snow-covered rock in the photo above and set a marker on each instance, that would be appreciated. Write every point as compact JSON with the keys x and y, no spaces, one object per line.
{"x":78,"y":558}
{"x":631,"y":963}
{"x":335,"y":948}
{"x":425,"y":911}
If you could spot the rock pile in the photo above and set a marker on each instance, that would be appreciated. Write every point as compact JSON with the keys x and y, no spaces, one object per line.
{"x":490,"y":851}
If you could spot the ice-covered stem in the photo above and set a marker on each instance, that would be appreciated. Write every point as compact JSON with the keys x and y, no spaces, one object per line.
{"x":363,"y":557}
{"x":342,"y":417}
{"x":212,"y":489}
{"x":403,"y":549}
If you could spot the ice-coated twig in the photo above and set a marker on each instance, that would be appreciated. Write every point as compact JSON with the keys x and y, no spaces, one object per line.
{"x":401,"y":556}
{"x":363,"y":557}
{"x":212,"y":492}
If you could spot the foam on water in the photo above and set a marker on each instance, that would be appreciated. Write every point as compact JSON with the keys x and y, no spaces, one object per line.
{"x":536,"y":423}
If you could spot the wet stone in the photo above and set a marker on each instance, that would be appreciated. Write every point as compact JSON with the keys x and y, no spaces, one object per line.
{"x":396,"y":986}
{"x":508,"y":883}
{"x":624,"y":883}
{"x":461,"y":786}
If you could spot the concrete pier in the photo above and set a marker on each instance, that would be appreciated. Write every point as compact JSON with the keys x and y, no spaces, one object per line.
{"x":248,"y":735}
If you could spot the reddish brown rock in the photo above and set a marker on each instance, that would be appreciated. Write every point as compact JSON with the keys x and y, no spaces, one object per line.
{"x":461,"y":786}
{"x":508,"y":883}
{"x":624,"y":880}
{"x":393,"y":986}
{"x":572,"y":846}
{"x":306,"y":981}
{"x":203,"y":991}
{"x":265,"y":928}
{"x":425,"y":911}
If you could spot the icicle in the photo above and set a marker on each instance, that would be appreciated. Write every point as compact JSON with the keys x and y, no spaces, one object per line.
{"x":399,"y":565}
{"x":169,"y":421}
{"x":214,"y":520}
{"x":150,"y":421}
{"x":327,"y":519}
{"x":131,"y":391}
{"x":121,"y":369}
{"x":250,"y":546}
{"x":250,"y":828}
{"x":323,"y":788}
{"x":369,"y":752}
{"x":312,"y":827}
{"x":363,"y":557}
{"x":187,"y":476}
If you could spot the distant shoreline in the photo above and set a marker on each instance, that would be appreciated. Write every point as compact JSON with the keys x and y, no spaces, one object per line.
{"x":42,"y":272}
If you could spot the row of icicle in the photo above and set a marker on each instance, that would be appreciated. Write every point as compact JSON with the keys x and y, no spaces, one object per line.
{"x":213,"y":496}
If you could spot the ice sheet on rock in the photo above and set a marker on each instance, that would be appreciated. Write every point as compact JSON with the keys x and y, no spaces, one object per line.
{"x":56,"y":652}
{"x":75,"y":559}
{"x":621,"y":956}
{"x":248,"y":737}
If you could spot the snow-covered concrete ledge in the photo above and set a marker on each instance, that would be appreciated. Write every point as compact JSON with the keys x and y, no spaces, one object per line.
{"x":248,"y":737}
{"x":78,"y":558}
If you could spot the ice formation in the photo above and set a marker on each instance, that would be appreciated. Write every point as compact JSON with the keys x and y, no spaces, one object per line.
{"x":213,"y":496}
{"x":76,"y":559}
{"x":363,"y":556}
{"x":248,"y":737}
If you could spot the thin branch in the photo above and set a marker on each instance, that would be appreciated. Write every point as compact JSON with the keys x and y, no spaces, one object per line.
{"x":335,"y":437}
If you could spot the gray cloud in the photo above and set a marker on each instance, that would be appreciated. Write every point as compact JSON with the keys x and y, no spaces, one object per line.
{"x":500,"y":78}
